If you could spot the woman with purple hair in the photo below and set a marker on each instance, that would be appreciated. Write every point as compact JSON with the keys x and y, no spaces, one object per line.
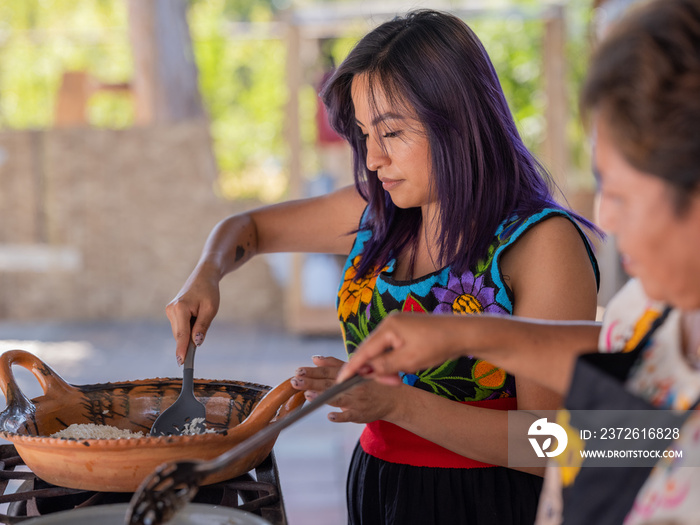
{"x":449,"y":214}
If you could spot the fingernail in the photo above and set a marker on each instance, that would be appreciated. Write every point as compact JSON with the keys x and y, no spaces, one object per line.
{"x":331,"y":416}
{"x":365,"y":369}
{"x":198,"y":338}
{"x":300,"y":372}
{"x":317,"y":357}
{"x":294,"y":382}
{"x":310,"y":394}
{"x":179,"y":360}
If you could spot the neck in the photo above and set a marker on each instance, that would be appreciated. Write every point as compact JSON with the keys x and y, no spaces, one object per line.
{"x":690,"y":336}
{"x":430,"y":230}
{"x":422,"y":258}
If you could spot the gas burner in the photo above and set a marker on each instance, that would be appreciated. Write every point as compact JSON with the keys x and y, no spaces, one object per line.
{"x":27,"y":496}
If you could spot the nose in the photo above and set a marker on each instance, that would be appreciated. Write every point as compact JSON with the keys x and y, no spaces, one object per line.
{"x":376,"y":155}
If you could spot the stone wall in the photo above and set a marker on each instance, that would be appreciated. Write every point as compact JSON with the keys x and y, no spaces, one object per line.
{"x":101,"y":224}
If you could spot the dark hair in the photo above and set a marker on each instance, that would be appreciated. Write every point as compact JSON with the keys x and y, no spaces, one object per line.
{"x":644,"y":82}
{"x":433,"y":65}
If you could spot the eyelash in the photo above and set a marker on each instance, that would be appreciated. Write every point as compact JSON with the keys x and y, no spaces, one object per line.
{"x":387,"y":135}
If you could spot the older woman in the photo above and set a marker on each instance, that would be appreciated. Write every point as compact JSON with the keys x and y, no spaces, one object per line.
{"x":643,"y":94}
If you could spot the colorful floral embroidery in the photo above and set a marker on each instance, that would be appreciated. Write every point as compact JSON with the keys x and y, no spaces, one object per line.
{"x":466,"y":294}
{"x":483,"y":266}
{"x":368,"y":315}
{"x":354,"y":292}
{"x":487,"y":375}
{"x":364,"y":303}
{"x":411,"y":304}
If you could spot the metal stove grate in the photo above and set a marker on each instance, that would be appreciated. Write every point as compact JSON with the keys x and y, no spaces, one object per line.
{"x":26,"y":496}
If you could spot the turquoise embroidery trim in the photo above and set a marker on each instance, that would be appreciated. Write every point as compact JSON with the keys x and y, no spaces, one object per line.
{"x":420,"y":288}
{"x":400,"y":292}
{"x":496,"y":276}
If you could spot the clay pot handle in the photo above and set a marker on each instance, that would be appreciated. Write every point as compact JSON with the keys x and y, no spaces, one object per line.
{"x":267,"y":408}
{"x":19,"y":407}
{"x":292,"y":404}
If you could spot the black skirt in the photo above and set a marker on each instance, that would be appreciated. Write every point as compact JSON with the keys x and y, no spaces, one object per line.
{"x":383,"y":493}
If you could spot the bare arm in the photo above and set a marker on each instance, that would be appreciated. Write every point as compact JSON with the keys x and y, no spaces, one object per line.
{"x":321,"y":224}
{"x":407,"y":342}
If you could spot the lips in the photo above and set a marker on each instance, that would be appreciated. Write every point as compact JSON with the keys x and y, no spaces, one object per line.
{"x":390,"y":184}
{"x":627,"y":263}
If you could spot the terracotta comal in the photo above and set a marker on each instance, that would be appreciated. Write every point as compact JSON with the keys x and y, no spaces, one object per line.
{"x":235,"y":409}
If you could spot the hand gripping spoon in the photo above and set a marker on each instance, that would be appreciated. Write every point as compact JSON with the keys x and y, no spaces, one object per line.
{"x":173,"y":485}
{"x":186,"y":415}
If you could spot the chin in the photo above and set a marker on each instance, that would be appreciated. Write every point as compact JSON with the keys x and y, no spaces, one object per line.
{"x":400,"y":203}
{"x":654,"y":291}
{"x":683,"y":298}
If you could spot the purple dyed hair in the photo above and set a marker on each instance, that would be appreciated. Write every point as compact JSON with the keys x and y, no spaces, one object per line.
{"x":432,"y":65}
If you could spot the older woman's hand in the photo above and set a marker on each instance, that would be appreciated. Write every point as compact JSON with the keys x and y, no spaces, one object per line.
{"x":404,"y":342}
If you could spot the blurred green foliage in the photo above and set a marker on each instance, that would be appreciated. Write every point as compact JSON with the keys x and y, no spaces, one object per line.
{"x":40,"y":39}
{"x":242,"y":75}
{"x":242,"y":80}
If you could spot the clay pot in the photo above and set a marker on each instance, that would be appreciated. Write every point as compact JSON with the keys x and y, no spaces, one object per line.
{"x":235,"y":409}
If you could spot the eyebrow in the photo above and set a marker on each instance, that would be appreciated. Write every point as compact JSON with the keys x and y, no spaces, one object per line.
{"x":381,"y":118}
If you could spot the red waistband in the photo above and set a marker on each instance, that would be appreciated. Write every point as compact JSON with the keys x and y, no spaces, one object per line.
{"x":394,"y":444}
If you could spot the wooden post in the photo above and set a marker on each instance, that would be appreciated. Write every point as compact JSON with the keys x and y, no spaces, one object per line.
{"x":165,"y":75}
{"x":556,"y":145}
{"x":292,"y":121}
{"x":293,"y":298}
{"x":299,"y":316}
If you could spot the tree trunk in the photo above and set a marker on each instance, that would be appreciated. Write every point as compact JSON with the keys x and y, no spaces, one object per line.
{"x":165,"y":75}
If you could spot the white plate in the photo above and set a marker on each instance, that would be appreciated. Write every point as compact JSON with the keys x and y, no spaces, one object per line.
{"x":192,"y":514}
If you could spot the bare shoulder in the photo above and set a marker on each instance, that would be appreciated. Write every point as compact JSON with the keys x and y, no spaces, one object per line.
{"x":553,"y":233}
{"x":550,"y":272}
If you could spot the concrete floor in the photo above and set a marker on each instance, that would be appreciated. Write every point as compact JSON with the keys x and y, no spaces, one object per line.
{"x":312,"y":455}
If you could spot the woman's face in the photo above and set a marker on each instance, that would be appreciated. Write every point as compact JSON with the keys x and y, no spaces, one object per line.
{"x":397,"y":147}
{"x":658,"y":245}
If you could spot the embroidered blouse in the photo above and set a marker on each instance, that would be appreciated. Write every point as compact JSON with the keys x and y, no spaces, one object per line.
{"x":363,"y":303}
